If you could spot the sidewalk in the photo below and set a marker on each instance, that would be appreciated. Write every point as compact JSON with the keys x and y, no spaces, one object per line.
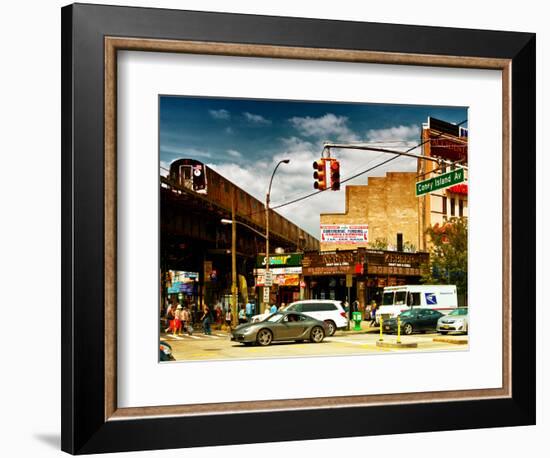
{"x":365,"y":329}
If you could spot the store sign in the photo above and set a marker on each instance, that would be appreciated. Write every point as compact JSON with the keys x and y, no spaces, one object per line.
{"x":266,"y":295}
{"x":280,"y":271}
{"x":268,"y":278}
{"x":333,"y":270}
{"x":288,"y":280}
{"x":181,"y":287}
{"x":345,"y":233}
{"x":280,"y":260}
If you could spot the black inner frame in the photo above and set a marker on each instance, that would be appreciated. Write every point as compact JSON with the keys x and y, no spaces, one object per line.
{"x":84,"y":429}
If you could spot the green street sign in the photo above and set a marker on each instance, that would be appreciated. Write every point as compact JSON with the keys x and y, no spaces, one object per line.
{"x":439,"y":182}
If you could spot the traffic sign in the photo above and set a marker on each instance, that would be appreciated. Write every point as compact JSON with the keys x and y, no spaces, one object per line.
{"x":268,"y":281}
{"x":439,"y":182}
{"x":266,"y":295}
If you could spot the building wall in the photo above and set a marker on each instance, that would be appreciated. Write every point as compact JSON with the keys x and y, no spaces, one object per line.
{"x":387,"y":204}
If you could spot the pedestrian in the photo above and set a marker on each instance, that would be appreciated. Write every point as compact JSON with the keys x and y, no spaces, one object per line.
{"x":282,"y":307}
{"x":248,"y":311}
{"x":228,"y":318}
{"x":242,"y":315}
{"x":273,"y":308}
{"x":169,"y":316}
{"x":218,"y":313}
{"x":184,"y":317}
{"x":373,"y":307}
{"x":206,"y":319}
{"x":177,"y":320}
{"x":355,"y":306}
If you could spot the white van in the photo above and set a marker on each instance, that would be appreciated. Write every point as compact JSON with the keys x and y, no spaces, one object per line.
{"x":397,"y":299}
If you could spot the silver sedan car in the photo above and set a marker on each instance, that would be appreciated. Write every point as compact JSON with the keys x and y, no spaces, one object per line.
{"x":280,"y":326}
{"x":456,"y":321}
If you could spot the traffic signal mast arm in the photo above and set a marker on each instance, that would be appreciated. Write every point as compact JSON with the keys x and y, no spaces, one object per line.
{"x":328,"y":145}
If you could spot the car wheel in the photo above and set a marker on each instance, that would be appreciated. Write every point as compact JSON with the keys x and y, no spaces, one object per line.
{"x":407,"y":329}
{"x":264,"y":337}
{"x":317,"y":334}
{"x":331,"y":327}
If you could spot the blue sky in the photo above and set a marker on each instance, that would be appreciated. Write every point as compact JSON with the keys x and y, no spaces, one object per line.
{"x":243,"y":139}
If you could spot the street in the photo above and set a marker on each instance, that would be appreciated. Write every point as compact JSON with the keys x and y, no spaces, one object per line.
{"x":218,"y":346}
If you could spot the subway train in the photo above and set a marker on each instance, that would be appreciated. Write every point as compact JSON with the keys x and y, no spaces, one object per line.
{"x":197,"y":177}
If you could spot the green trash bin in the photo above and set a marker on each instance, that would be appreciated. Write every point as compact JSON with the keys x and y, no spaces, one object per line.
{"x":357,"y":318}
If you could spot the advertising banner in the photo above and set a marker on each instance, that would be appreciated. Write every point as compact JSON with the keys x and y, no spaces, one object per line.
{"x":344,"y":233}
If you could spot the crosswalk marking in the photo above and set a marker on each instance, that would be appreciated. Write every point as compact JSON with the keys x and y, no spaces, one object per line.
{"x":196,"y":337}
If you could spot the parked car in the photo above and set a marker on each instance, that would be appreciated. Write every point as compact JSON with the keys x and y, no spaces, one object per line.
{"x":165,"y":352}
{"x":456,"y":321}
{"x":414,"y":320}
{"x":331,"y":312}
{"x":280,"y":326}
{"x":266,"y":314}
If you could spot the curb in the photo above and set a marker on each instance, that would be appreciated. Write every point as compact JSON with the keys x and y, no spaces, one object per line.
{"x":396,"y":345}
{"x":451,"y":341}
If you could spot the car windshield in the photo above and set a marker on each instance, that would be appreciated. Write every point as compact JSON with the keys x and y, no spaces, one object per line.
{"x":275,"y":317}
{"x":388,"y":299}
{"x":459,"y":312}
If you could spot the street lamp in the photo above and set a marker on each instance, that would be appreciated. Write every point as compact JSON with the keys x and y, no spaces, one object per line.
{"x":230,"y":221}
{"x":267,"y":197}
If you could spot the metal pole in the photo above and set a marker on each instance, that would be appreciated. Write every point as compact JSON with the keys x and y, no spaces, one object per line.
{"x":389,"y":151}
{"x":349,"y":307}
{"x":398,"y":329}
{"x":233,"y":259}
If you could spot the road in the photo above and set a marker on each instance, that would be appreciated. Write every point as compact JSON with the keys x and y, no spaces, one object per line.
{"x":218,"y":346}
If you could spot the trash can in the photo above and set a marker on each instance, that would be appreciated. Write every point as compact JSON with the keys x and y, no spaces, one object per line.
{"x":357,"y":318}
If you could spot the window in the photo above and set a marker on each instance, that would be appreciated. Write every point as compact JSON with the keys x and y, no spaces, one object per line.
{"x":326,"y":307}
{"x":414,"y":299}
{"x":452,"y":206}
{"x":460,"y":207}
{"x":308,"y":307}
{"x":295,"y":308}
{"x":400,"y":297}
{"x":444,"y":205}
{"x":387,"y":299}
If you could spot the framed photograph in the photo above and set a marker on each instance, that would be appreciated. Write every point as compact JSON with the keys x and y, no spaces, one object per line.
{"x":272,"y":221}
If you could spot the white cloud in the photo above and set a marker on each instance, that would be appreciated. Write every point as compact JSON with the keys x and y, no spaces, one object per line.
{"x":164,"y":168}
{"x":234,"y":153}
{"x":327,"y":127}
{"x":191,"y":153}
{"x":228,"y":130}
{"x":220,"y":114}
{"x":256,"y":118}
{"x":396,"y":133}
{"x":295,"y":179}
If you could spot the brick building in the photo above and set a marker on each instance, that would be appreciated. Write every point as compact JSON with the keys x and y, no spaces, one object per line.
{"x":387,"y":205}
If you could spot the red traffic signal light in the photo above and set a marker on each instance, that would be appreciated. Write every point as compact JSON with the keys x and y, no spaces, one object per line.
{"x":335,"y":175}
{"x":320,"y":174}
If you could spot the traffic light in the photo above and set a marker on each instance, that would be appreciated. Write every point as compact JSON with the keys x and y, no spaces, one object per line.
{"x":320,"y":175}
{"x":335,"y":175}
